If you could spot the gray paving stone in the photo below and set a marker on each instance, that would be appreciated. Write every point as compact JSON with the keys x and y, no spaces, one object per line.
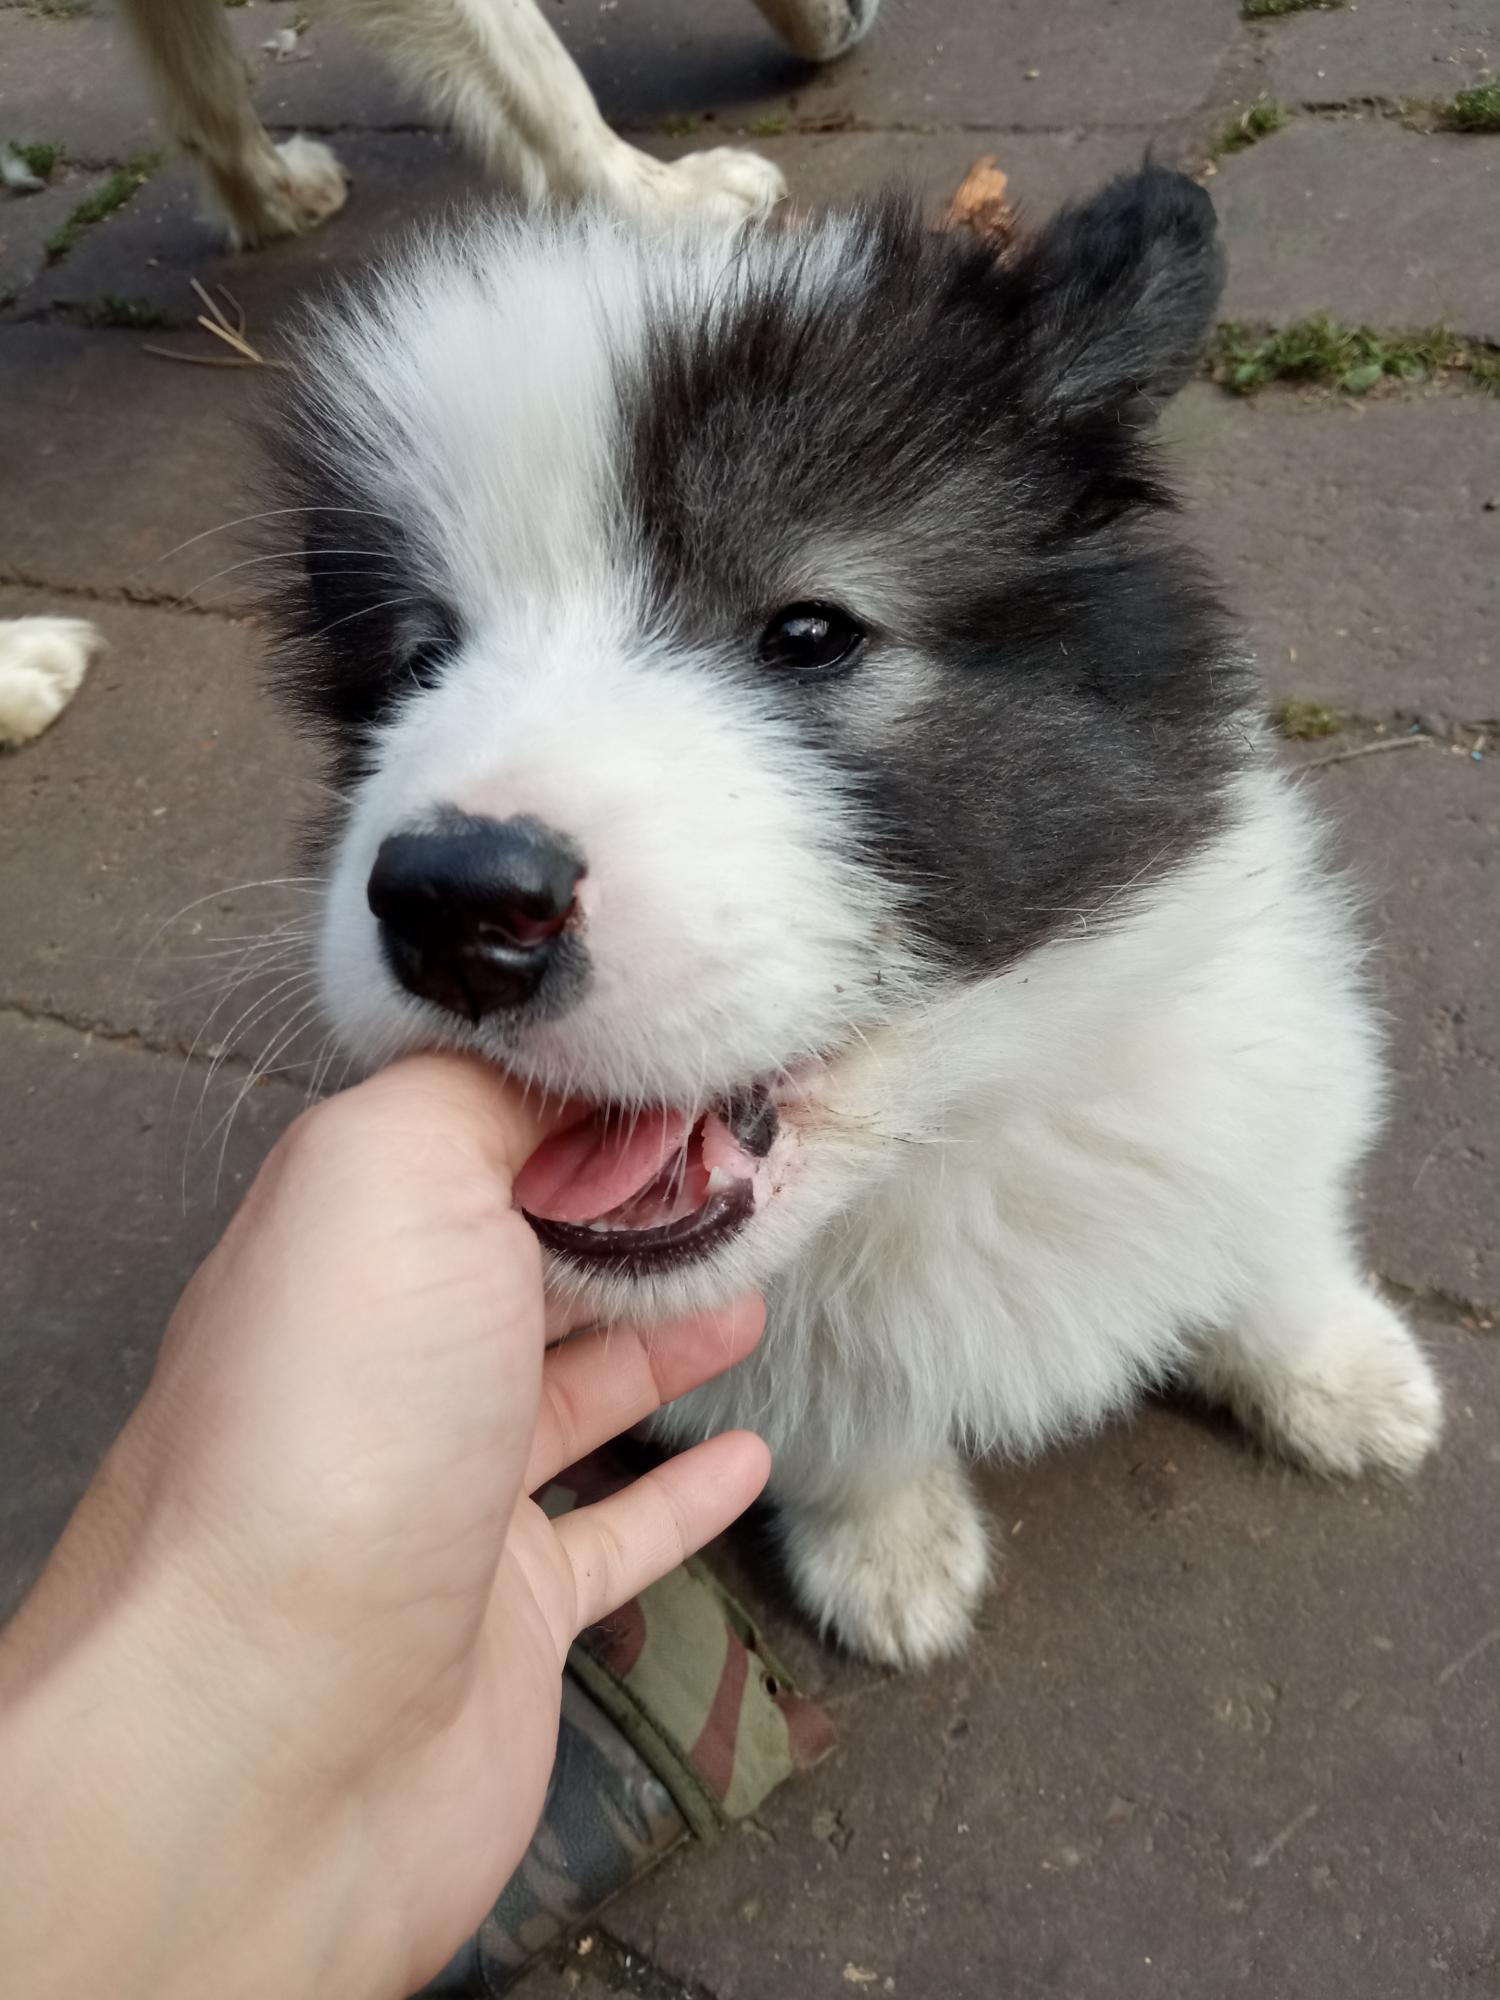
{"x":671,"y":59}
{"x":152,"y":249}
{"x":1422,"y":827}
{"x":1354,"y":539}
{"x":113,"y":458}
{"x":74,"y":80}
{"x":27,"y":221}
{"x":1215,"y":1737}
{"x":1044,"y":169}
{"x":147,"y":251}
{"x":966,"y":62}
{"x":97,"y":1249}
{"x":1385,"y":50}
{"x":333,"y":82}
{"x":1305,"y":211}
{"x":79,"y":80}
{"x":168,"y":783}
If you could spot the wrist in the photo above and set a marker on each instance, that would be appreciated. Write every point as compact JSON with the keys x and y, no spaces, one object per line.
{"x":148,"y":1787}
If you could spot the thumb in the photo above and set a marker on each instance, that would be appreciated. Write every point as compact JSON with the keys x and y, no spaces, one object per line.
{"x":468,"y":1102}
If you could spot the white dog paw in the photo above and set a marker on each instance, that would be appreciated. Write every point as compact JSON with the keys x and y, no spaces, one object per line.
{"x":315,"y":186}
{"x":1361,"y":1397}
{"x":722,"y":185}
{"x":42,"y":665}
{"x":729,"y":182}
{"x":897,"y":1580}
{"x":281,"y":191}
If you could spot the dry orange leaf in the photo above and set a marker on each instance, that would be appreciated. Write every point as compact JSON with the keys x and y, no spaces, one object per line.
{"x":980,"y":202}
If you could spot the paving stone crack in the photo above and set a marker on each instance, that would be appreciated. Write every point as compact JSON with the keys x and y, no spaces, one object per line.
{"x":228,"y":1062}
{"x":1435,"y":1302}
{"x":619,"y":1967}
{"x":140,"y":594}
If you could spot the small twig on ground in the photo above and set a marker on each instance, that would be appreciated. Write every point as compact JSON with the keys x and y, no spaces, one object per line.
{"x":217,"y":322}
{"x":1364,"y":750}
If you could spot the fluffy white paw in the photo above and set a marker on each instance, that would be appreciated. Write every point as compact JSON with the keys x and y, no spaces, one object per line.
{"x":281,"y":191}
{"x":722,"y":185}
{"x":1360,"y":1398}
{"x":897,"y":1580}
{"x":42,"y":665}
{"x":315,"y":185}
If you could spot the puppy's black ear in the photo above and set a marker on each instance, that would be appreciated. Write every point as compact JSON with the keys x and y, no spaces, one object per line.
{"x":1119,"y":294}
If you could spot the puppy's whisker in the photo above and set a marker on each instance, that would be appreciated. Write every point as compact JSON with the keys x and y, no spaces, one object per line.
{"x":295,"y":556}
{"x":301,"y":885}
{"x":366,"y":611}
{"x":296,"y":1026}
{"x":266,"y":514}
{"x":291,"y":985}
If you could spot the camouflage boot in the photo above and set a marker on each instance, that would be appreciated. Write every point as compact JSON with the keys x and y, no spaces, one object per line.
{"x":676,"y":1721}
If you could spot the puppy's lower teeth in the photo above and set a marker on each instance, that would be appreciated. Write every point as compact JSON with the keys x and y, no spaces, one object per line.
{"x":719,"y":1181}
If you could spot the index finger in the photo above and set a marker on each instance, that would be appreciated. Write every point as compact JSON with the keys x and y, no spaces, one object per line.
{"x":601,"y":1384}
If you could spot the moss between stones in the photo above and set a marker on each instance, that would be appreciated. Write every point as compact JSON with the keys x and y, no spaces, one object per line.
{"x":1261,"y":10}
{"x":114,"y":194}
{"x":109,"y":309}
{"x":1303,"y":719}
{"x":41,"y":156}
{"x":1355,"y":359}
{"x":1476,"y":110}
{"x":1259,"y":122}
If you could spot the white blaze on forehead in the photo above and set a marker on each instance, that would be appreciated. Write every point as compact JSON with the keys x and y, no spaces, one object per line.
{"x":478,"y":399}
{"x":480,"y":394}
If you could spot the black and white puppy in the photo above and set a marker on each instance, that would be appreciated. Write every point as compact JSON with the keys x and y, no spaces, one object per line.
{"x":772,"y":708}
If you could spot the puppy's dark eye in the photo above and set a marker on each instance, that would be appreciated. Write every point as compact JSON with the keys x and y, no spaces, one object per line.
{"x":811,"y":641}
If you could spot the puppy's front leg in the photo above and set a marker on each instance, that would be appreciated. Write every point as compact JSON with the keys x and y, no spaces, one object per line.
{"x":495,"y":71}
{"x":261,"y":190}
{"x":889,"y":1555}
{"x":1322,"y":1370}
{"x":820,"y":30}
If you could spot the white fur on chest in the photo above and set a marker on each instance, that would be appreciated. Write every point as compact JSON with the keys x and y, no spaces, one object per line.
{"x":1086,"y":1160}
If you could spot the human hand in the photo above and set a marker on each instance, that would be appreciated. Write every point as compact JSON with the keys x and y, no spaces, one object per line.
{"x":285,"y":1701}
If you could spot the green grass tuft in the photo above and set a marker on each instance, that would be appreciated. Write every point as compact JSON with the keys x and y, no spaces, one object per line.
{"x":1352,"y":358}
{"x":769,"y":125}
{"x":1259,"y":122}
{"x":1476,"y":110}
{"x":116,"y":191}
{"x":1303,"y":719}
{"x":42,"y":155}
{"x":1484,"y":369}
{"x":681,"y":124}
{"x":109,"y":309}
{"x":1263,"y":10}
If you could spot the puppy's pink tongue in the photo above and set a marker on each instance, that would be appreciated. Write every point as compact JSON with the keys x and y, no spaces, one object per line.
{"x":583,"y":1173}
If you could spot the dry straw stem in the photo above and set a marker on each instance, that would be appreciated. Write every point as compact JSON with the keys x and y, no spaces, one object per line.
{"x":215,"y":321}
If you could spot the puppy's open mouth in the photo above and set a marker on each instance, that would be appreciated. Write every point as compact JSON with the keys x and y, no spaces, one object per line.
{"x":643,"y":1192}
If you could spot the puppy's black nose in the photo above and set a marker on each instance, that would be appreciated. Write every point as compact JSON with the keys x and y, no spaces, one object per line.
{"x":470,"y":914}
